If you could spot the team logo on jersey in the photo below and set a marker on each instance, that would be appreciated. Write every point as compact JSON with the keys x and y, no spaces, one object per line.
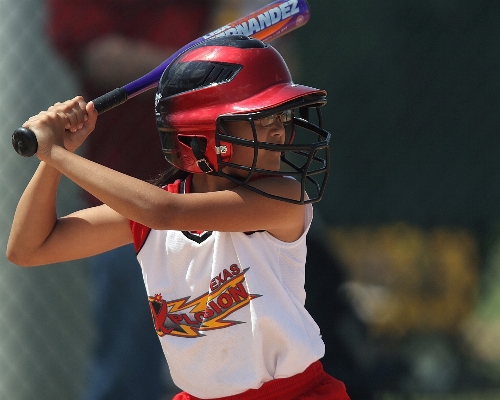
{"x":190,"y":318}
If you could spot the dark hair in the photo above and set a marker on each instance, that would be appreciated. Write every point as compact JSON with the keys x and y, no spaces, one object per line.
{"x":170,"y":175}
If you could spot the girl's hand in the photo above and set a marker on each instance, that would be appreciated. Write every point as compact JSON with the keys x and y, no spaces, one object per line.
{"x":64,"y":124}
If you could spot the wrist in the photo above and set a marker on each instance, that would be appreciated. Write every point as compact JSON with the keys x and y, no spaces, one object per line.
{"x":50,"y":154}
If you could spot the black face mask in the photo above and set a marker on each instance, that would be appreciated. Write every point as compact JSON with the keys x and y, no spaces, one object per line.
{"x":304,"y":155}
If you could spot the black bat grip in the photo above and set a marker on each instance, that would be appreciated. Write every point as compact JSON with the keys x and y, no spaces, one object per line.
{"x":109,"y":100}
{"x":24,"y":142}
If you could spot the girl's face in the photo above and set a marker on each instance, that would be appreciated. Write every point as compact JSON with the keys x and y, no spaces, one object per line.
{"x":269,"y":130}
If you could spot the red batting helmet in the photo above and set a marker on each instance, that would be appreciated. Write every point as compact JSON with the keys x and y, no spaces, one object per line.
{"x":239,"y":78}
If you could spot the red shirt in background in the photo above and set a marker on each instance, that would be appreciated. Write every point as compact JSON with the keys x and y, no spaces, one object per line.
{"x":125,"y":138}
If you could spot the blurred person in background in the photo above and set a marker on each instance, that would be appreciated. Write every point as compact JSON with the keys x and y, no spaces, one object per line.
{"x":121,"y":40}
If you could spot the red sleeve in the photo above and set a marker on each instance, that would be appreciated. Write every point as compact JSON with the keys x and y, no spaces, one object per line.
{"x":140,"y":232}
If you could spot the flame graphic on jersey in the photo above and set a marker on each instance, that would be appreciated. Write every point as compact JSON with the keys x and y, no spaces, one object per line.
{"x":184,"y":318}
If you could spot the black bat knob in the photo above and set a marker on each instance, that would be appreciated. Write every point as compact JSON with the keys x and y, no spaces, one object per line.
{"x":24,"y":142}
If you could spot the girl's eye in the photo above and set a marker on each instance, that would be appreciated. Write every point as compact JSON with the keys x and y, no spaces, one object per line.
{"x":266,"y":121}
{"x":285,"y":116}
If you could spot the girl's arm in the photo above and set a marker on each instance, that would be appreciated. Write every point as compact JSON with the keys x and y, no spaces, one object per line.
{"x":235,"y":209}
{"x":38,"y":237}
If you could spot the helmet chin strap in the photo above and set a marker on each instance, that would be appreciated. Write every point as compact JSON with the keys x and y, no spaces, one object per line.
{"x":199,"y":153}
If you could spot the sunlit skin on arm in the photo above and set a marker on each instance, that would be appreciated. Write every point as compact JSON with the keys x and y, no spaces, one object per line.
{"x":38,"y":237}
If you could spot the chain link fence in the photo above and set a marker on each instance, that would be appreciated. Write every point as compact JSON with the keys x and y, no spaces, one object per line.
{"x":422,"y":295}
{"x":45,"y":330}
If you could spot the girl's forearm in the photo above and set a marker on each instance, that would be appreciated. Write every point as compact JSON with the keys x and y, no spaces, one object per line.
{"x":130,"y":197}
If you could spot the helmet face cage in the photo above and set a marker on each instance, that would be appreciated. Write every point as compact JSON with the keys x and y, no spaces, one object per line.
{"x":304,"y":155}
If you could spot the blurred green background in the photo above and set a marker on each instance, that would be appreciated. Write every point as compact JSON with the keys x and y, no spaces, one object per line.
{"x":404,"y":253}
{"x":413,"y":106}
{"x":411,"y":212}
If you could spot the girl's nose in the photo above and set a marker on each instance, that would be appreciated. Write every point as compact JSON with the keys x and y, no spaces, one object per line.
{"x":277,"y":129}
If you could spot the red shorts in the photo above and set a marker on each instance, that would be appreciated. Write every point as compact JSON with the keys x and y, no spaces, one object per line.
{"x":312,"y":384}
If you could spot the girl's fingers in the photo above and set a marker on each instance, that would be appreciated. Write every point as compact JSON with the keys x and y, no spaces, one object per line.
{"x":72,"y":116}
{"x":75,"y":118}
{"x":72,"y":112}
{"x":91,"y":112}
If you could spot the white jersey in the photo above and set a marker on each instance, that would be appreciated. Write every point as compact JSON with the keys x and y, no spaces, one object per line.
{"x":228,"y":307}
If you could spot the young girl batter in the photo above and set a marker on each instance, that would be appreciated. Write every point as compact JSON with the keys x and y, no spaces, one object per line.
{"x":221,"y":238}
